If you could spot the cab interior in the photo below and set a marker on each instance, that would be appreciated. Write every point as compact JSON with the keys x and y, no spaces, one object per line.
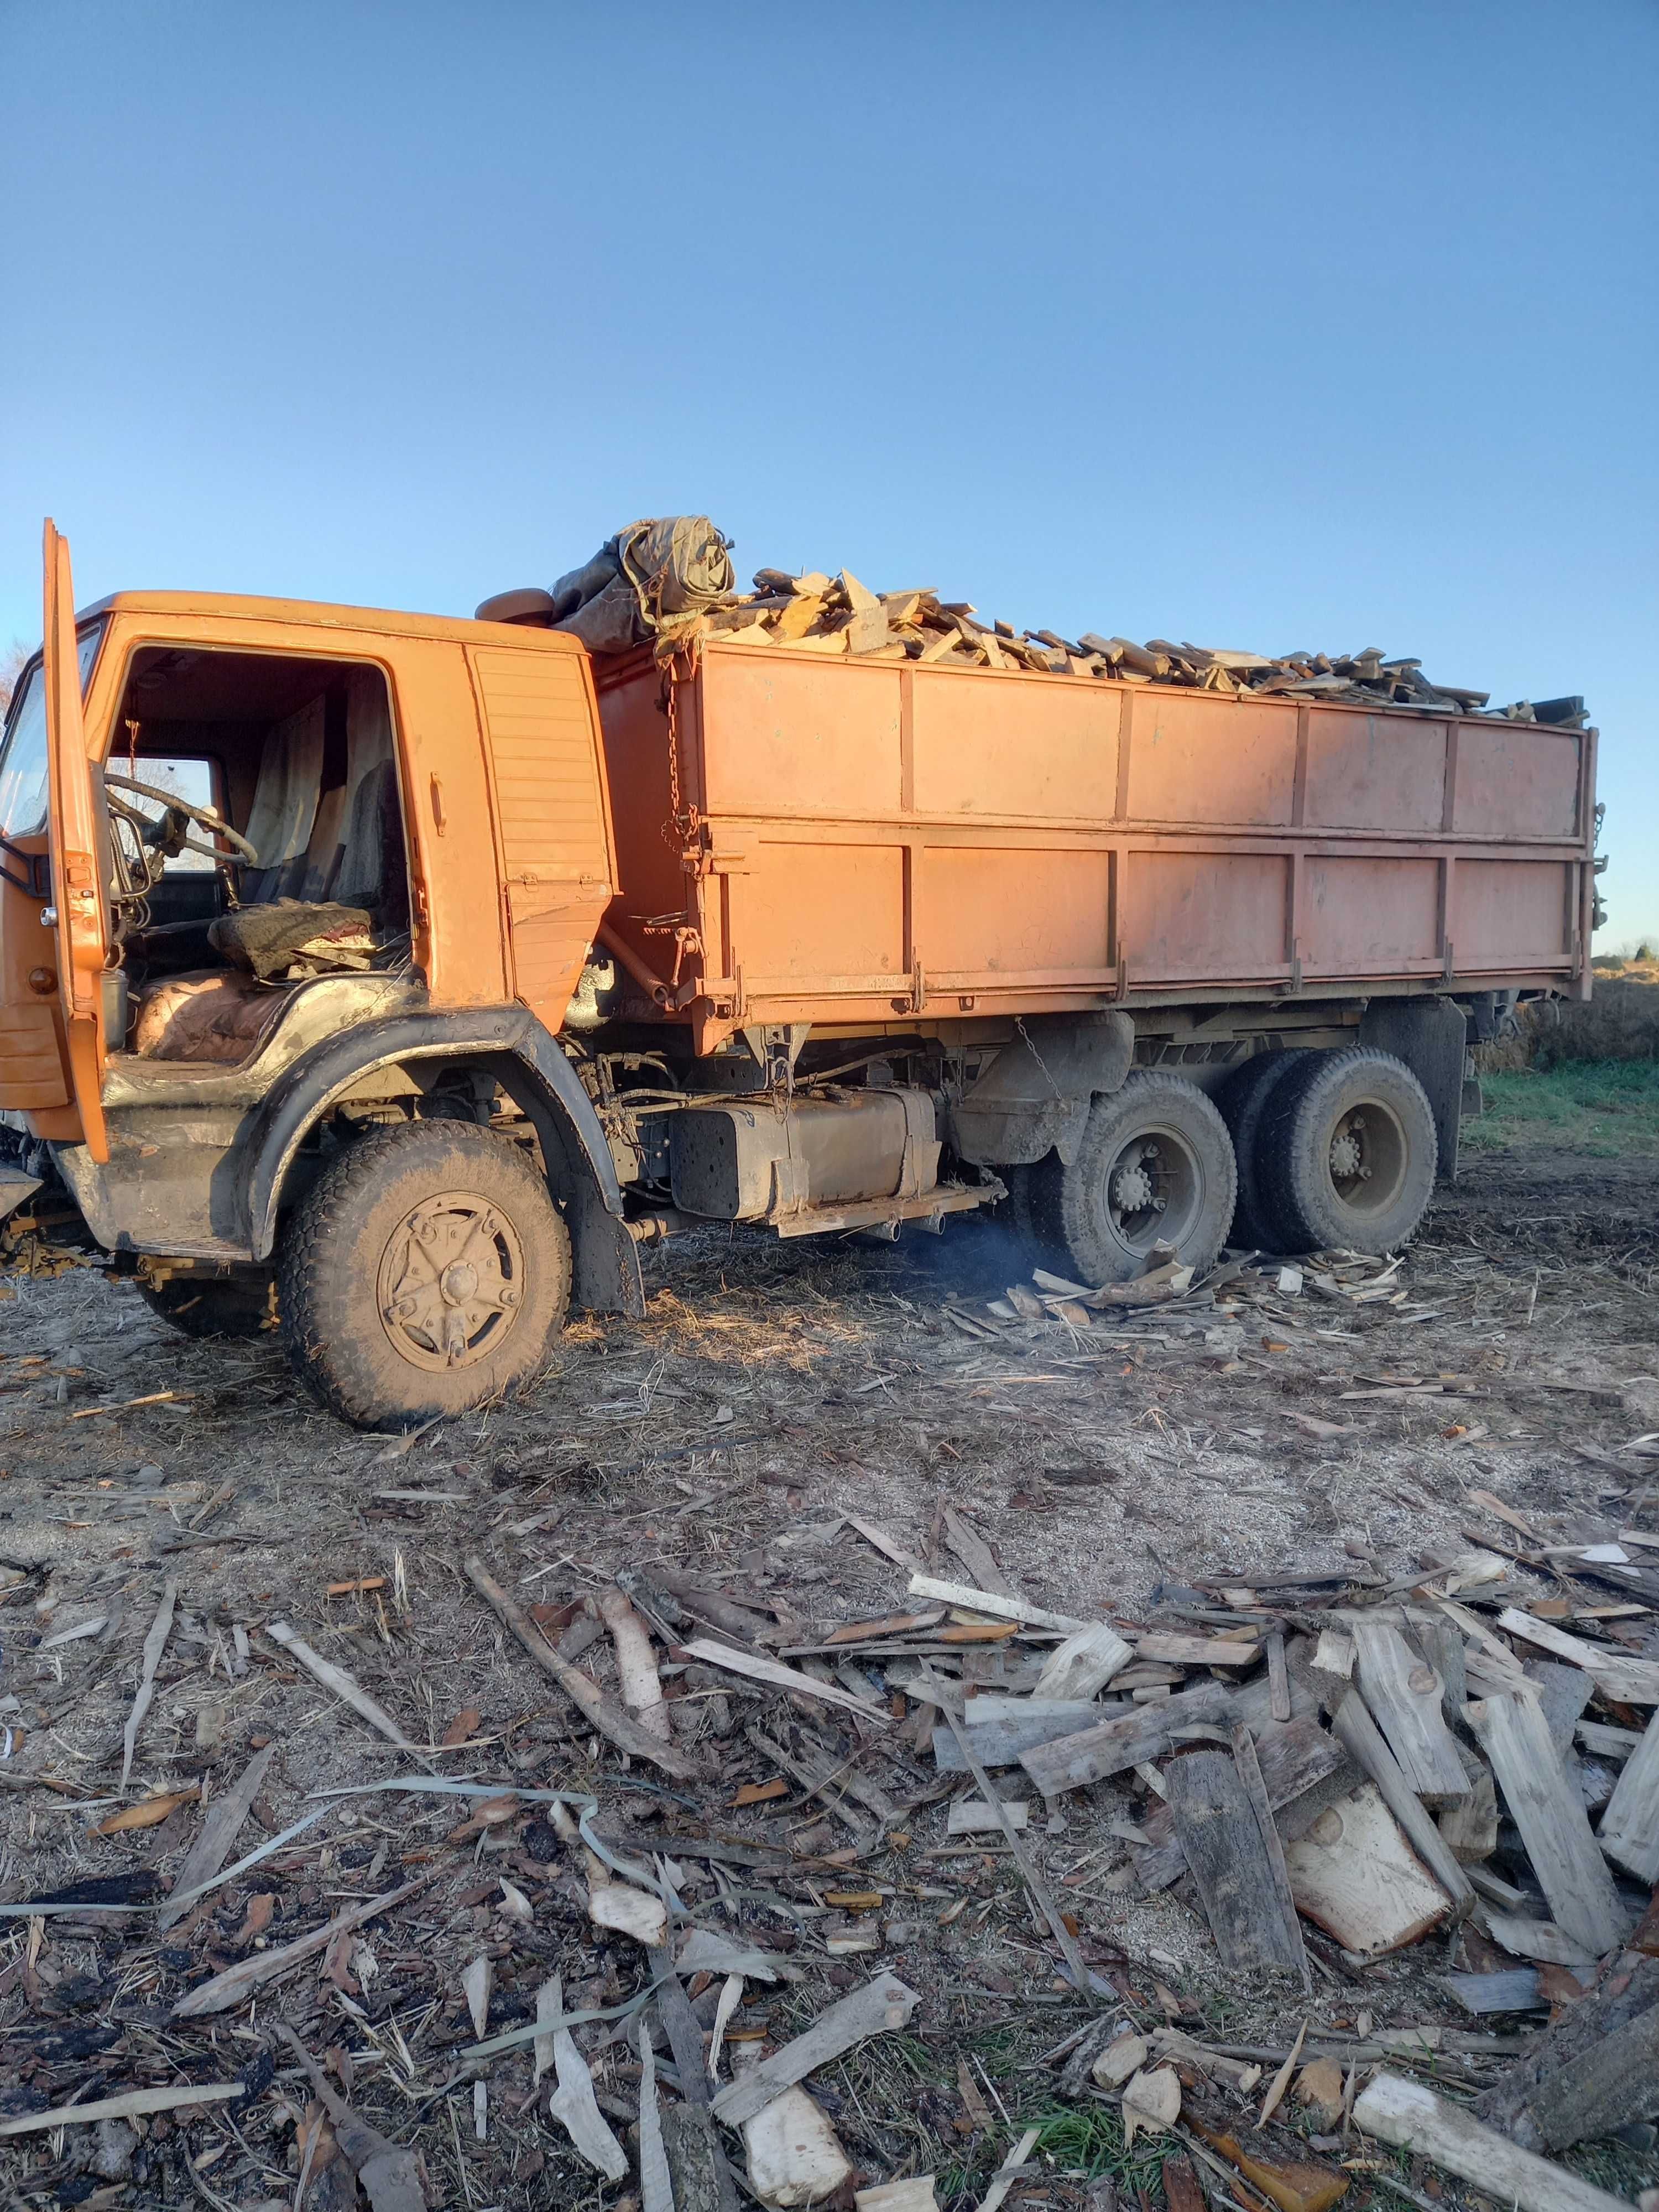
{"x":297,"y":756}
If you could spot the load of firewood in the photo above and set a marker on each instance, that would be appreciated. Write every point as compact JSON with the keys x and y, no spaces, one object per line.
{"x":818,"y":613}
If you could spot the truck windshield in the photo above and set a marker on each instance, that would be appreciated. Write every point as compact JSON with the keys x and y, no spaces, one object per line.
{"x":23,"y":786}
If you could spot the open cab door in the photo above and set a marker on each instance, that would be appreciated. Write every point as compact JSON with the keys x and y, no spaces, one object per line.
{"x":76,"y":893}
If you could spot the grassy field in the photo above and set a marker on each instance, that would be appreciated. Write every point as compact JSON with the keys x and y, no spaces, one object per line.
{"x":1605,"y":1108}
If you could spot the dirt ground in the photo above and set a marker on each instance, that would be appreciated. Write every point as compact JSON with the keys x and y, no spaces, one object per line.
{"x":773,"y":1389}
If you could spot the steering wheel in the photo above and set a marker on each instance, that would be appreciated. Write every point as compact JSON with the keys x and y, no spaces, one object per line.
{"x":164,"y":833}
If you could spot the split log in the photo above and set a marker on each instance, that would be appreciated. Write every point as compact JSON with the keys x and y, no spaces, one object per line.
{"x":1302,"y":1770}
{"x":1595,"y":2070}
{"x":636,"y":1663}
{"x":1414,"y":2119}
{"x":1403,"y":1695}
{"x":1630,"y":1827}
{"x":1353,"y":1874}
{"x":1546,"y":1806}
{"x":1083,"y":1665}
{"x":1355,"y":1728}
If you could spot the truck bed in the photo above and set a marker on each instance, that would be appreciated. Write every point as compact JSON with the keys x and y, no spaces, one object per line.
{"x":880,"y":839}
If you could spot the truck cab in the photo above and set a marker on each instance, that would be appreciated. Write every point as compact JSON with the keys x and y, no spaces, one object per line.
{"x":279,"y":877}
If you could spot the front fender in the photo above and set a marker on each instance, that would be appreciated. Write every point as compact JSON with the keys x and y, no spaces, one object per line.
{"x":534,"y":1071}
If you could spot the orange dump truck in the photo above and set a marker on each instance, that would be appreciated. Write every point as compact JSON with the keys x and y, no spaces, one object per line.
{"x":396,"y":977}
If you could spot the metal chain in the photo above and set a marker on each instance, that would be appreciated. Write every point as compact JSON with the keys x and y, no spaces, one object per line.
{"x":1020,"y":1026}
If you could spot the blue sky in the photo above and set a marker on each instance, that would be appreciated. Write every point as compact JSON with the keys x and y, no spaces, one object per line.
{"x":1291,"y":325}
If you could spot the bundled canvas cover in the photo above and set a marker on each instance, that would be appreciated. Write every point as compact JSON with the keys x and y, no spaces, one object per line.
{"x":654,"y":576}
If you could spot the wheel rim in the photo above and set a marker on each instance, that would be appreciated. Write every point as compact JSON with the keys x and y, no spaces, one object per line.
{"x":450,"y":1282}
{"x":1154,"y":1189}
{"x":1367,"y":1156}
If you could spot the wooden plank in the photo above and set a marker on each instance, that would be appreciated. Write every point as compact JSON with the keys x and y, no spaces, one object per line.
{"x":1354,"y":1875}
{"x":1405,"y":2114}
{"x":1546,"y":1807}
{"x":1630,"y":1827}
{"x":1255,"y":1788}
{"x":1516,"y":1990}
{"x":1355,"y":1728}
{"x":1627,"y":1681}
{"x":1000,"y":1741}
{"x":1279,"y":1680}
{"x":1176,"y":1650}
{"x":883,"y":2002}
{"x":1217,"y":1825}
{"x":1303,"y":1769}
{"x":1114,"y":1746}
{"x":993,"y":1603}
{"x":1403,"y":1695}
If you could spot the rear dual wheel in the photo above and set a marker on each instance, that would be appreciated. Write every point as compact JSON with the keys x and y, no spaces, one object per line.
{"x":427,"y":1272}
{"x":1345,"y":1155}
{"x":1155,"y":1166}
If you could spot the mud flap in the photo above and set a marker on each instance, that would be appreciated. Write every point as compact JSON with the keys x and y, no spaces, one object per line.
{"x":1430,"y":1035}
{"x":1035,"y":1097}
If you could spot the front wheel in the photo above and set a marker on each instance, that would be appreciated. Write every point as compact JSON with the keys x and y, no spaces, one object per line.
{"x":1155,"y":1167}
{"x":427,"y":1272}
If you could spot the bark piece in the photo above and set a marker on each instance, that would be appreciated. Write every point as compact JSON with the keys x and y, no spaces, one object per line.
{"x":224,"y":1818}
{"x":636,"y":1663}
{"x":1630,"y":1827}
{"x":1582,"y":2031}
{"x":1293,"y":2184}
{"x":155,"y":1644}
{"x":610,"y":1720}
{"x":1404,"y":2114}
{"x":1524,"y":1938}
{"x":774,"y":1672}
{"x":1217,"y":1825}
{"x":656,"y":2189}
{"x":231,"y":1987}
{"x":572,"y":2104}
{"x":1546,"y":1807}
{"x":1403,"y":1695}
{"x":1610,"y":2086}
{"x":1008,"y":2172}
{"x":883,"y":2002}
{"x":334,"y":1678}
{"x":1354,"y":1875}
{"x":169,"y":2099}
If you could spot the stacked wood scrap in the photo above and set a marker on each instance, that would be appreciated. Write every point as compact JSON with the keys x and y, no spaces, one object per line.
{"x":840,"y":616}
